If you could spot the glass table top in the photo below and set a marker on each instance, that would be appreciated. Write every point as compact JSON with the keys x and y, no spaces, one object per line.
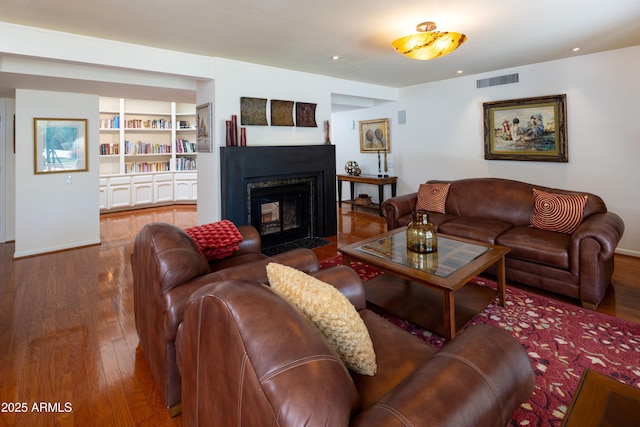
{"x":450,"y":257}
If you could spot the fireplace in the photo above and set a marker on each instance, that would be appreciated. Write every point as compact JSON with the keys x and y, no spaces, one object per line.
{"x":286,"y":192}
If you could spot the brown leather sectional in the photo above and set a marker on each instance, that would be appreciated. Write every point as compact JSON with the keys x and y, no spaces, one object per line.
{"x":250,"y":358}
{"x":498,"y":211}
{"x":167,"y":268}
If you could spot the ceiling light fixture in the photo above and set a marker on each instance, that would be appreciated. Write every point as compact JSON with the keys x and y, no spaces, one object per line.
{"x":428,"y":44}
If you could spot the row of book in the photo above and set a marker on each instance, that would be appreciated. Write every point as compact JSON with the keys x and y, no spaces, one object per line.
{"x":141,"y":167}
{"x":109,"y":149}
{"x":113,"y":123}
{"x":186,"y":164}
{"x":149,"y":124}
{"x":140,"y":147}
{"x":184,"y":146}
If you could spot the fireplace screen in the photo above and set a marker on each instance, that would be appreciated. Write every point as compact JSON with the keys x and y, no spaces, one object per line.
{"x":281,"y":213}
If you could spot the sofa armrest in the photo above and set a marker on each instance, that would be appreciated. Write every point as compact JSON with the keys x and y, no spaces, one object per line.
{"x":479,"y":378}
{"x":395,"y":207}
{"x":606,"y":228}
{"x":251,"y":242}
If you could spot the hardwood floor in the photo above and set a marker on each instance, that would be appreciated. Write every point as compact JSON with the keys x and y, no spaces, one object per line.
{"x":67,"y":335}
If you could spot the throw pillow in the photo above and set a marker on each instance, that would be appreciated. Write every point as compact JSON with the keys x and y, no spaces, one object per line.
{"x":557,"y":212}
{"x":216,"y":240}
{"x":432,"y":197}
{"x":330,"y":311}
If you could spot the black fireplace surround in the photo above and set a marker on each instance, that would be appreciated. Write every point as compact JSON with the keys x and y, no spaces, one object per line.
{"x":247,"y":168}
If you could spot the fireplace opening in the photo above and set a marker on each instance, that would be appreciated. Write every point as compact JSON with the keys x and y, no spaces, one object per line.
{"x":281,"y":213}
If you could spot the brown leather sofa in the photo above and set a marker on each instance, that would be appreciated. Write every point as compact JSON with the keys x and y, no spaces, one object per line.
{"x":578,"y":265}
{"x":249,"y":358}
{"x":167,"y":268}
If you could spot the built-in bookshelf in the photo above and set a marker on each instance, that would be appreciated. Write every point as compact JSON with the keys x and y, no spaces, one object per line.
{"x":146,"y":137}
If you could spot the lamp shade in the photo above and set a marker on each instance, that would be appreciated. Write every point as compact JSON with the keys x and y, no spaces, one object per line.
{"x":429,"y":44}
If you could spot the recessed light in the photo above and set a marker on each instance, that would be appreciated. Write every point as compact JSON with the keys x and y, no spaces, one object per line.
{"x":575,"y":49}
{"x":459,"y":71}
{"x":335,"y":57}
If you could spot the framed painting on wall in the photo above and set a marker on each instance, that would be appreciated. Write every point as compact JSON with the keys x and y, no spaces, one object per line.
{"x":374,"y":136}
{"x":60,"y":145}
{"x":204,"y":135}
{"x":533,"y":129}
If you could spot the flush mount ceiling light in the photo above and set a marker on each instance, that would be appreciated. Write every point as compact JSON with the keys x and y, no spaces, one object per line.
{"x":428,"y":44}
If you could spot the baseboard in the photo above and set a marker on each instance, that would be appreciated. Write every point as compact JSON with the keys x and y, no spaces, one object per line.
{"x":628,"y":252}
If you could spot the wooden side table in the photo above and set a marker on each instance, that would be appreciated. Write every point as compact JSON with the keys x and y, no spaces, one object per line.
{"x":367,"y":179}
{"x":603,"y":401}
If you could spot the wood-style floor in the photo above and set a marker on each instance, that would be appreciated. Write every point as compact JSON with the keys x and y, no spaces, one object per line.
{"x":68,"y":347}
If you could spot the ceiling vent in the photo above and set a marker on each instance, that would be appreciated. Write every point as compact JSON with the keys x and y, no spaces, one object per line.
{"x":497,"y":81}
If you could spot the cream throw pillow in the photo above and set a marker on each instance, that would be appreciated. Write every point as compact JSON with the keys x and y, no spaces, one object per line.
{"x":331,"y":312}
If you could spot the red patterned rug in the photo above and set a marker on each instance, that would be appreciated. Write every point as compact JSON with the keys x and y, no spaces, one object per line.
{"x":561,"y":340}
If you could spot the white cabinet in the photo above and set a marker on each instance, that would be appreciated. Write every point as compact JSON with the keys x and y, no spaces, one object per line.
{"x":142,"y":190}
{"x":163,"y":188}
{"x":121,"y":192}
{"x":186,"y":185}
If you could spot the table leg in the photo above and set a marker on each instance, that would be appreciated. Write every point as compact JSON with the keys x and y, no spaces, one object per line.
{"x":449,"y":312}
{"x":339,"y":193}
{"x":352,"y":186}
{"x":501,"y":280}
{"x":393,"y":189}
{"x":380,"y":197}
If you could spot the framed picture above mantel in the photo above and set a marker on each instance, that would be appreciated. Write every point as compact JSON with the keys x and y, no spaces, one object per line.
{"x":530,"y":129}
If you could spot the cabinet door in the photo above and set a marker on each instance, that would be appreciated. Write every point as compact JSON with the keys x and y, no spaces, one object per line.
{"x":119,"y":196}
{"x":185,"y":186}
{"x":163,"y":188}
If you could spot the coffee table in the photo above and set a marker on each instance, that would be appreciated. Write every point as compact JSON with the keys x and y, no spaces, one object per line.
{"x":430,"y":290}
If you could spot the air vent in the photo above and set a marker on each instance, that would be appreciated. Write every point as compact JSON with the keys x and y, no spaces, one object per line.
{"x":496,"y":81}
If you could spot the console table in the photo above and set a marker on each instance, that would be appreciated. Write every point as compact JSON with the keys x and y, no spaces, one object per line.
{"x":367,"y":179}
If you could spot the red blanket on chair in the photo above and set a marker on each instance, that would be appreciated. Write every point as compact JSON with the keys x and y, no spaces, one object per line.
{"x":216,"y":240}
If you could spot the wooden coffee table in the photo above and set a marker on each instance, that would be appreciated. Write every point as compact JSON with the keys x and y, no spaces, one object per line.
{"x":430,"y":290}
{"x":600,"y":401}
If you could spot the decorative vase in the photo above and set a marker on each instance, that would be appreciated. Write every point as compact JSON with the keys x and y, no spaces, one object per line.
{"x":229,"y":133}
{"x":421,"y":234}
{"x":234,"y":133}
{"x":243,"y":137}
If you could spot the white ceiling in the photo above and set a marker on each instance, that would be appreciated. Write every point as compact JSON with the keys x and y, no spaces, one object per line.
{"x":304,"y":35}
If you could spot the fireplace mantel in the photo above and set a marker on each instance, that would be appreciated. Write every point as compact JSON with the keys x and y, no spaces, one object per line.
{"x":241,"y":166}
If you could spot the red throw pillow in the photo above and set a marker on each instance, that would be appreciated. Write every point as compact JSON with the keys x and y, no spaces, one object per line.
{"x":557,"y":212}
{"x":216,"y":240}
{"x":432,"y":197}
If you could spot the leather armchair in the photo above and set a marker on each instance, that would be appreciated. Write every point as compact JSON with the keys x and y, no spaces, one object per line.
{"x":167,"y":268}
{"x":248,"y":357}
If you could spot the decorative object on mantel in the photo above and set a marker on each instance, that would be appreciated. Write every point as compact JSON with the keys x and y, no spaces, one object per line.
{"x":428,"y":44}
{"x":327,"y":132}
{"x":374,"y":136}
{"x":253,"y":111}
{"x":204,"y":119}
{"x":243,"y":137}
{"x":281,"y":113}
{"x":231,"y":134}
{"x":306,"y":115}
{"x":532,"y":129}
{"x":352,"y":168}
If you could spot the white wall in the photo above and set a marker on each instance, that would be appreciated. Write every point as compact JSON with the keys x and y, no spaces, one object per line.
{"x":443,"y":134}
{"x":7,"y":193}
{"x":234,"y":80}
{"x":52,"y":215}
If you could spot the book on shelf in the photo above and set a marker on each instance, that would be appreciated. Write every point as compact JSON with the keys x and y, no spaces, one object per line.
{"x":142,"y":167}
{"x":113,"y":123}
{"x":109,"y":149}
{"x":148,"y":124}
{"x":140,"y":147}
{"x":186,"y":164}
{"x":184,"y":146}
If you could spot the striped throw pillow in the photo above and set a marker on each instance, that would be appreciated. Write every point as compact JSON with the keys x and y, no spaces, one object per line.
{"x":557,"y":212}
{"x":432,"y":197}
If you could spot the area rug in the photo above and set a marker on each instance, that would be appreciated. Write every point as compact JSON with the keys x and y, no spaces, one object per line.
{"x":561,"y":340}
{"x":308,"y":242}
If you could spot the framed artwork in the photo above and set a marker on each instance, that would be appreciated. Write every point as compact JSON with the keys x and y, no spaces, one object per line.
{"x":253,"y":111}
{"x":204,"y":137}
{"x":60,"y":145}
{"x":374,"y":136}
{"x":281,"y":113}
{"x":532,"y":129}
{"x":306,"y":114}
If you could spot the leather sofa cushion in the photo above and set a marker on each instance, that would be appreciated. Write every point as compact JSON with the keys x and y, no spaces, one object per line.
{"x":541,"y":246}
{"x":479,"y":229}
{"x":398,"y":356}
